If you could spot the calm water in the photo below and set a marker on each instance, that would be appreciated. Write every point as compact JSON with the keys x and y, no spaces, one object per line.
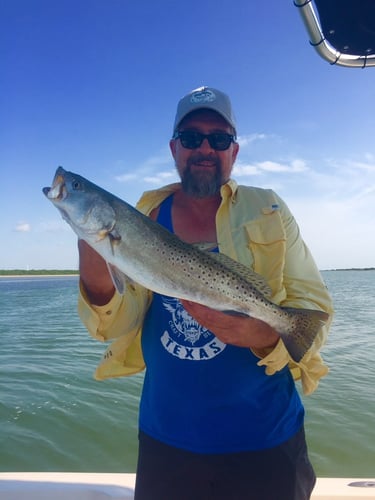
{"x":55,"y":417}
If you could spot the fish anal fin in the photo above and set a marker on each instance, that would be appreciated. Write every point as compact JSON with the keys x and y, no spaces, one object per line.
{"x":236,"y":313}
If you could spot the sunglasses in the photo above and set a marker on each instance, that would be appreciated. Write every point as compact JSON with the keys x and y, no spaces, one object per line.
{"x":220,"y":141}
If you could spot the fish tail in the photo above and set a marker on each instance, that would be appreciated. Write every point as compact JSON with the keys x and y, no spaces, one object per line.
{"x":306,"y":325}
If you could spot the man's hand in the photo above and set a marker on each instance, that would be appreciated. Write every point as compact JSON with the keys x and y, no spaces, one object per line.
{"x":94,"y":274}
{"x":241,"y":331}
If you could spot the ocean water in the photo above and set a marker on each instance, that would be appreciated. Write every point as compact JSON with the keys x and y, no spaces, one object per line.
{"x":55,"y":417}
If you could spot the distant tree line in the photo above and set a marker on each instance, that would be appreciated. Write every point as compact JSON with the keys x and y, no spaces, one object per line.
{"x":34,"y":272}
{"x":355,"y":269}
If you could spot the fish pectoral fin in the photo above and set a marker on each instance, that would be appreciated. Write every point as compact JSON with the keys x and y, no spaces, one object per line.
{"x":114,"y":234}
{"x":253,"y":278}
{"x":114,"y":238}
{"x":119,"y":279}
{"x":306,"y":326}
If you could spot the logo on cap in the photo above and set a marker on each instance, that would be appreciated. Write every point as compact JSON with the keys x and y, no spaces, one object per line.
{"x":202,"y":96}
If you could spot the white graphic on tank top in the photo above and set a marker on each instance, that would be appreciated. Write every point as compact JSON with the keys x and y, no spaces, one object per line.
{"x":186,"y":338}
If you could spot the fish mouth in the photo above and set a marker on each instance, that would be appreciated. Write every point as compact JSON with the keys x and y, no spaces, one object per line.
{"x":57,"y":192}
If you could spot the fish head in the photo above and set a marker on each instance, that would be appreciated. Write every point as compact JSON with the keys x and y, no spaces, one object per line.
{"x":83,"y":205}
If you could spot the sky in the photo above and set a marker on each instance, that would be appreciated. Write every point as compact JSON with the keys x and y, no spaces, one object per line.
{"x":93,"y":85}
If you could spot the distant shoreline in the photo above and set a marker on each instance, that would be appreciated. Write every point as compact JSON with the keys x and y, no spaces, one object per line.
{"x":40,"y":273}
{"x":5,"y":276}
{"x":15,"y":273}
{"x":352,"y":269}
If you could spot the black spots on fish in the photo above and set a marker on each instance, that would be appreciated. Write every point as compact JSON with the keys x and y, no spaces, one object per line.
{"x":172,"y":255}
{"x":240,"y":287}
{"x":203,"y":274}
{"x":175,"y":257}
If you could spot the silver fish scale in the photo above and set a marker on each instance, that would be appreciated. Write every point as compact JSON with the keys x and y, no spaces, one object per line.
{"x":200,"y":267}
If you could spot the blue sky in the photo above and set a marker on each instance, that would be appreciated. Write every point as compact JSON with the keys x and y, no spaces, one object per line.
{"x":92,"y":85}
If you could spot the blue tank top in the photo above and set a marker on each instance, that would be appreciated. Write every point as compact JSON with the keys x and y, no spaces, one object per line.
{"x":205,"y":396}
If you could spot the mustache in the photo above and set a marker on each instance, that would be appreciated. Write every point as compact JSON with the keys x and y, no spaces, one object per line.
{"x":199,"y":157}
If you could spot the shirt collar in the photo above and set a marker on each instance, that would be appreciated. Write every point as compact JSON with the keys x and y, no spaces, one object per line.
{"x":229,"y":191}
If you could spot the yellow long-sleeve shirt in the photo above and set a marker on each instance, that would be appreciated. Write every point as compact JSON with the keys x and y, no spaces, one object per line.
{"x":255,"y":227}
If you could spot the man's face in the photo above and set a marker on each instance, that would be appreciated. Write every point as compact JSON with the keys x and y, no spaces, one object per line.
{"x":203,"y":170}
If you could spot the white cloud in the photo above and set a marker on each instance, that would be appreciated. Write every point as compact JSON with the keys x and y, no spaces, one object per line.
{"x":162,"y":177}
{"x":368,"y":167}
{"x":126,"y":177}
{"x":152,"y":170}
{"x":294,"y":166}
{"x":249,"y":169}
{"x":23,"y":227}
{"x":367,"y":191}
{"x":245,"y":169}
{"x":245,"y":140}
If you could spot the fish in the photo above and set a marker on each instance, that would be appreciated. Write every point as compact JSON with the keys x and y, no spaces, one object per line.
{"x":139,"y":250}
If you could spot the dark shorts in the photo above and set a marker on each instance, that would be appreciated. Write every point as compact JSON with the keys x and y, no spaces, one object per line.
{"x":168,"y":473}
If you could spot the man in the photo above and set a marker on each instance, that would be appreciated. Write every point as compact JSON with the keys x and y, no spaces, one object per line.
{"x":220,"y":417}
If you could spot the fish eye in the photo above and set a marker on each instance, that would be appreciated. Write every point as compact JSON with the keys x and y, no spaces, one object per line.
{"x":76,"y":185}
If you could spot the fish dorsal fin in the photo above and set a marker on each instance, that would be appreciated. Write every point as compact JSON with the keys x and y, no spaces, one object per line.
{"x":205,"y":246}
{"x":253,"y":278}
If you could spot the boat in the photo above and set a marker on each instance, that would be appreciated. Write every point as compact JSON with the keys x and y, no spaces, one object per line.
{"x":108,"y":486}
{"x":341,"y":31}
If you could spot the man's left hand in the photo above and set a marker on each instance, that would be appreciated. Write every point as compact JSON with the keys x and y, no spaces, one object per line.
{"x":238,"y":330}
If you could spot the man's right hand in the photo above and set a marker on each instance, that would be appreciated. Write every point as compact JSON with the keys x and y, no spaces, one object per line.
{"x":95,"y":276}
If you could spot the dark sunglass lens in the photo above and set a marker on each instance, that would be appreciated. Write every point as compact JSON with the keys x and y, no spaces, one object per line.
{"x":221,"y":142}
{"x":190,"y":140}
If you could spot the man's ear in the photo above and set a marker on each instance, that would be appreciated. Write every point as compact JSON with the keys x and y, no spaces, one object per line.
{"x":236,"y":148}
{"x":172,"y":147}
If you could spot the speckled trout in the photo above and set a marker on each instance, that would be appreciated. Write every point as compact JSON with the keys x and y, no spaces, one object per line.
{"x":139,"y":249}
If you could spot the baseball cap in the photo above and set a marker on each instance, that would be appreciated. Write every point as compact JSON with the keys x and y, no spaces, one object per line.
{"x":205,"y":98}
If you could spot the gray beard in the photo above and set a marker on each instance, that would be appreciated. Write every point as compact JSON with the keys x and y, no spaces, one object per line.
{"x":201,"y":184}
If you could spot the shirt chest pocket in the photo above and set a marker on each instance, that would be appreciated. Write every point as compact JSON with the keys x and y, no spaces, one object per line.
{"x":267,"y":243}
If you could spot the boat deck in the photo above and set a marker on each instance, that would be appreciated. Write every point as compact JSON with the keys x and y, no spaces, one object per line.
{"x":103,"y":486}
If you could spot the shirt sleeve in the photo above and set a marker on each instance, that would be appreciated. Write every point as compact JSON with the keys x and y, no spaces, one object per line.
{"x":121,"y":319}
{"x":121,"y":315}
{"x":303,"y":287}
